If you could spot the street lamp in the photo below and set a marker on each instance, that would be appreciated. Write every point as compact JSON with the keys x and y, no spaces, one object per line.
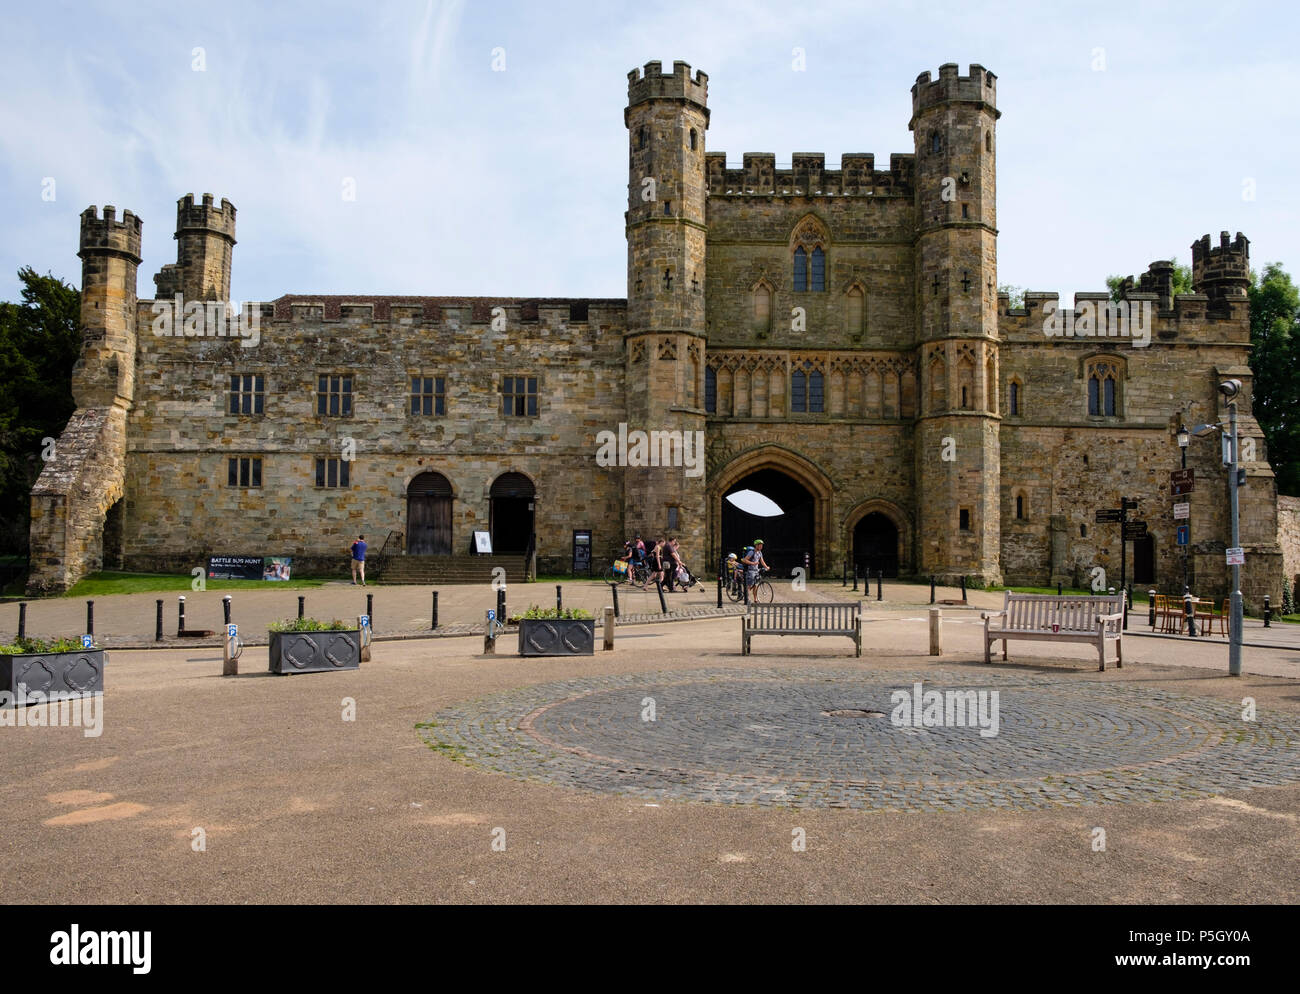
{"x":1184,"y":439}
{"x":1230,"y":390}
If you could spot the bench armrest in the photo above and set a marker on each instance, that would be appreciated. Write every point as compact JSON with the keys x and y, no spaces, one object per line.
{"x":1103,"y":618}
{"x":989,"y":616}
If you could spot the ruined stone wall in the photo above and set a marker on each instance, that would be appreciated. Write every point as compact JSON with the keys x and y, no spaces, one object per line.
{"x":179,"y":506}
{"x":1288,"y":538}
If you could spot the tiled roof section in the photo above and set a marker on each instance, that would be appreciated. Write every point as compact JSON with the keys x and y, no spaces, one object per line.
{"x":481,"y":307}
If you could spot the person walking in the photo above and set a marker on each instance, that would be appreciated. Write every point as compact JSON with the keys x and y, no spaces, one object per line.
{"x":358,"y":550}
{"x":671,"y":563}
{"x":656,"y":562}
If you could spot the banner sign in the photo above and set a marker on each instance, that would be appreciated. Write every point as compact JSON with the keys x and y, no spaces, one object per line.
{"x":249,"y":567}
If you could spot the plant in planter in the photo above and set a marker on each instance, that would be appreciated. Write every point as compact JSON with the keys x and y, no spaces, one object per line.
{"x":62,"y":667}
{"x":307,"y":645}
{"x":547,"y":632}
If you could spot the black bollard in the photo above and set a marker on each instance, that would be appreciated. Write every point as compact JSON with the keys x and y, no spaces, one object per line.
{"x":963,"y":588}
{"x":613,"y":589}
{"x":1268,"y":611}
{"x":22,"y":620}
{"x":1190,"y":615}
{"x":1127,"y":594}
{"x":663,"y":604}
{"x":180,"y":623}
{"x":501,"y":605}
{"x":559,"y":600}
{"x":1058,"y":590}
{"x":157,"y":631}
{"x":1151,"y":608}
{"x":433,"y":622}
{"x":845,"y":583}
{"x":880,"y":582}
{"x":90,"y":617}
{"x":931,"y":588}
{"x":719,"y":590}
{"x":744,"y":587}
{"x":302,"y":599}
{"x":225,"y":608}
{"x":855,"y":578}
{"x":370,"y":610}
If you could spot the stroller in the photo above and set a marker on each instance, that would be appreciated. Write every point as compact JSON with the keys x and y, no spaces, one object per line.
{"x":686,"y":579}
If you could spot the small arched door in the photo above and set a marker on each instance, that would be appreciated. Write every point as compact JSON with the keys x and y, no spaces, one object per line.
{"x":428,"y":516}
{"x":875,"y":545}
{"x":512,"y":497}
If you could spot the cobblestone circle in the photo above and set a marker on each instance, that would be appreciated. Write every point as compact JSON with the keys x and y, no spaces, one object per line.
{"x":762,"y":737}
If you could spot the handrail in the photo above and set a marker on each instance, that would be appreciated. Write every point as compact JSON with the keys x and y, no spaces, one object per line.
{"x":381,"y":560}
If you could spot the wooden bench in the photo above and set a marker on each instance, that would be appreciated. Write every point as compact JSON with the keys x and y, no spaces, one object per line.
{"x":1048,"y":618}
{"x":802,"y":619}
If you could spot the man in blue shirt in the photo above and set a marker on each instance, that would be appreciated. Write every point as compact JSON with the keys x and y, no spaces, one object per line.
{"x":358,"y":551}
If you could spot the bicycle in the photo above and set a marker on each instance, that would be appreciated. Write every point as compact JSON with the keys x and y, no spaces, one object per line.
{"x":761,"y":594}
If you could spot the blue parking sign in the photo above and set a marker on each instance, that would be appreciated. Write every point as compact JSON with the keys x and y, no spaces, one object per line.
{"x":365,"y":621}
{"x":87,"y":641}
{"x":232,"y":631}
{"x":1183,"y":534}
{"x":492,"y":616}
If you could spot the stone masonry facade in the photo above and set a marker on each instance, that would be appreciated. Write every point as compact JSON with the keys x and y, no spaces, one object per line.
{"x":841,"y":327}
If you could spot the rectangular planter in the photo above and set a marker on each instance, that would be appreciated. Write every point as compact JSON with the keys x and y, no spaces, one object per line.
{"x":76,"y":674}
{"x":557,"y":636}
{"x":315,"y":652}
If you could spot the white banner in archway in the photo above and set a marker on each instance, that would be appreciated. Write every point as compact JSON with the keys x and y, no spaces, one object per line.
{"x":752,"y":502}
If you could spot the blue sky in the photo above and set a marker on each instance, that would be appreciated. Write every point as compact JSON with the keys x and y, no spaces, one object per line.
{"x":513,"y":183}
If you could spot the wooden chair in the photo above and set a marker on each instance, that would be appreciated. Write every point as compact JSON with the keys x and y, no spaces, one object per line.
{"x":1169,"y":614}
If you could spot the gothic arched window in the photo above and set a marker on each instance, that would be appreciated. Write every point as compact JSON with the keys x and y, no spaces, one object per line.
{"x":1104,"y":394}
{"x":800,"y":270}
{"x":807,"y":389}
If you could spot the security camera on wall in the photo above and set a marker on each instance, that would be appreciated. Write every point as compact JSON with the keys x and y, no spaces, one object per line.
{"x":1230,"y":388}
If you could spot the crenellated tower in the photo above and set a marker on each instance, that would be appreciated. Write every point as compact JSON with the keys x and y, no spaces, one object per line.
{"x":666,"y":118}
{"x":85,"y":477}
{"x":1222,"y":272}
{"x":205,"y":241}
{"x":954,"y":121}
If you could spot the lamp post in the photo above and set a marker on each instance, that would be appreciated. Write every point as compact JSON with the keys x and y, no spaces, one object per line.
{"x":1184,"y":439}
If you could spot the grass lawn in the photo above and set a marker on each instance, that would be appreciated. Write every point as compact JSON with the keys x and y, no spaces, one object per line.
{"x":102,"y":584}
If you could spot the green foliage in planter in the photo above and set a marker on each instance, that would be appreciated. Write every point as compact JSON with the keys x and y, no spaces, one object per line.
{"x":309,"y":625}
{"x":30,"y":646}
{"x":535,"y":613}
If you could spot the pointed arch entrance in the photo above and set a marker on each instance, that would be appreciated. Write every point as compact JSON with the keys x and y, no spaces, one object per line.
{"x":802,"y":491}
{"x":876,"y":534}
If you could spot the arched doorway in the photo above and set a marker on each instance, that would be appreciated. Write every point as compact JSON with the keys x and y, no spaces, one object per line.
{"x":512,"y":497}
{"x":788,"y":537}
{"x":875,"y":545}
{"x":428,"y":516}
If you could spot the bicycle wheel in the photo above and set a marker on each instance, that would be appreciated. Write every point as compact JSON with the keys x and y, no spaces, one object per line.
{"x":734,"y":591}
{"x":764,"y":593}
{"x":612,"y":577}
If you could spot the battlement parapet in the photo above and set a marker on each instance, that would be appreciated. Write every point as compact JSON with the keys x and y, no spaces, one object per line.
{"x":979,"y":87}
{"x":108,"y":235}
{"x":677,"y":85}
{"x":1144,"y":316}
{"x":465,"y":311}
{"x":204,"y":216}
{"x":807,"y":175}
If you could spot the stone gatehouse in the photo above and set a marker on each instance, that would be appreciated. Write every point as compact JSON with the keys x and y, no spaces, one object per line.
{"x":835,"y":334}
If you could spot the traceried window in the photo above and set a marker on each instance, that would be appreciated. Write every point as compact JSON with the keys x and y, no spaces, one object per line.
{"x":334,"y":396}
{"x":710,"y":390}
{"x":807,"y":390}
{"x":1013,"y":398}
{"x":247,"y":394}
{"x":428,"y":395}
{"x":1104,"y":388}
{"x":800,"y":270}
{"x":519,"y":396}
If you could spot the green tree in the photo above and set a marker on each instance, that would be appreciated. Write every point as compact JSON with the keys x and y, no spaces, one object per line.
{"x":1182,"y":281}
{"x":1275,"y":361}
{"x":40,"y":340}
{"x":1016,"y":293}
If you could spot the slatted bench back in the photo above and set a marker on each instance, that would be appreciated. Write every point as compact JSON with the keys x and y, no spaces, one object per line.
{"x":1040,"y":612}
{"x":803,"y":617}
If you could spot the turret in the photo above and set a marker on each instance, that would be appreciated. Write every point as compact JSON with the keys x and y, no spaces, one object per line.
{"x":957,"y":440}
{"x":1221,"y":272}
{"x":666,"y":117}
{"x":205,"y":239}
{"x":110,"y":258}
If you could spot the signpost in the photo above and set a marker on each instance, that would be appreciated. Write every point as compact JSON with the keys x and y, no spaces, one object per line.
{"x":1182,"y":512}
{"x":1129,"y":530}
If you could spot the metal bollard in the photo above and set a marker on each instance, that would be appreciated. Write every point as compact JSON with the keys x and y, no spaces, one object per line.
{"x":663,"y":605}
{"x":963,"y":588}
{"x":880,"y":582}
{"x":1190,"y":615}
{"x":90,"y":617}
{"x":301,"y":603}
{"x":231,"y":649}
{"x":613,"y":588}
{"x":489,"y":640}
{"x":1124,"y":607}
{"x":719,"y":590}
{"x":559,"y":600}
{"x":22,"y":620}
{"x":936,"y":632}
{"x":1151,"y":608}
{"x":1058,"y":590}
{"x":157,"y":632}
{"x":1268,"y":611}
{"x":433,"y":622}
{"x":180,"y":623}
{"x":225,"y":609}
{"x":807,"y":565}
{"x":370,"y":609}
{"x":931,"y":588}
{"x":855,"y":578}
{"x":845,"y":581}
{"x":501,"y":605}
